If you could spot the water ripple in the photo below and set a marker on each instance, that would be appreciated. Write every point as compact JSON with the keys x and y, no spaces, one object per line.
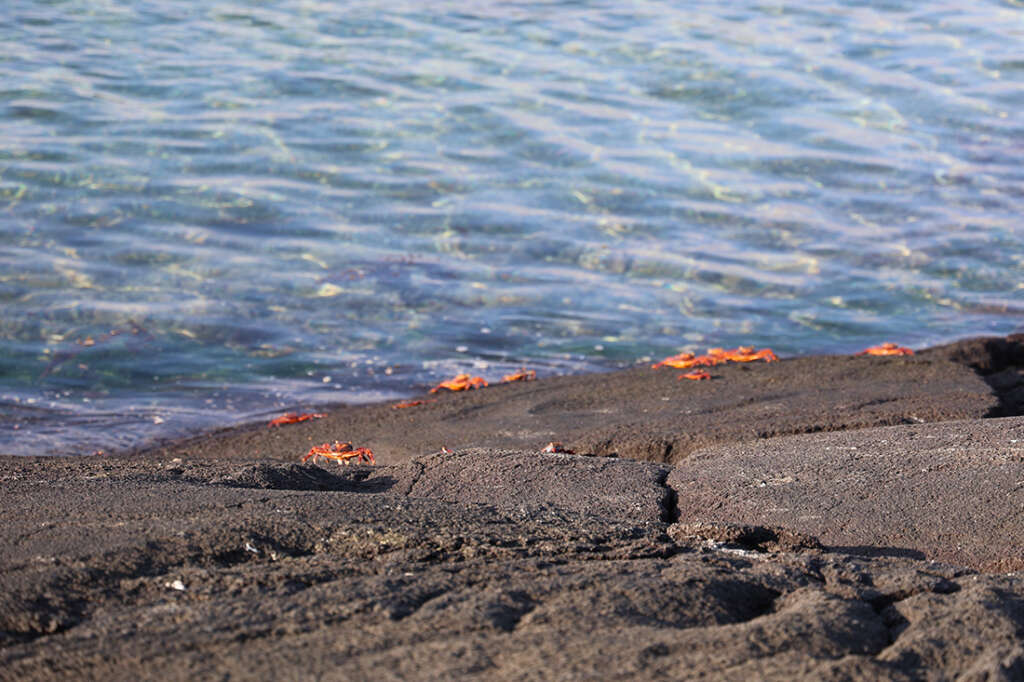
{"x":210,"y":212}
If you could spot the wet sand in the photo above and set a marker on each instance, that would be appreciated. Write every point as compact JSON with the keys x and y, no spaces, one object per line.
{"x":815,"y":518}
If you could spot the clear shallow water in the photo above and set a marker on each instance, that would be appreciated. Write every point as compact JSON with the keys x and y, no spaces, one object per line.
{"x":212,"y":211}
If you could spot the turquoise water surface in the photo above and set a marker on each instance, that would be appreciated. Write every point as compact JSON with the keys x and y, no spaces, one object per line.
{"x":213,"y":211}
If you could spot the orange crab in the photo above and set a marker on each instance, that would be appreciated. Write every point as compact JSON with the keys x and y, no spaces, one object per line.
{"x":742,"y":354}
{"x":681,"y":361}
{"x":340,"y":452}
{"x":462,"y":382}
{"x":717,"y":356}
{"x":695,"y":375}
{"x":292,"y":418}
{"x":551,"y":448}
{"x":887,"y":348}
{"x":522,"y":375}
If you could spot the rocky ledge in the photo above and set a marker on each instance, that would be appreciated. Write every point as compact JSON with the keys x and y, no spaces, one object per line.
{"x":818,"y":518}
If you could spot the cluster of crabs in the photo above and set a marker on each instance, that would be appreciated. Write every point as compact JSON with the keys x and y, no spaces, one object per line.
{"x":344,"y":453}
{"x":714,"y":356}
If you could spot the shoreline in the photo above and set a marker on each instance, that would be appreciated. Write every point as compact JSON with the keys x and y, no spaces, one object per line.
{"x":635,"y":412}
{"x":255,"y":418}
{"x":818,"y":517}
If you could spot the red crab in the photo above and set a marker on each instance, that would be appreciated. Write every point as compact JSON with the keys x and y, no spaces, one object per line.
{"x":886,"y":349}
{"x":292,"y":418}
{"x":695,"y":375}
{"x":717,"y":356}
{"x":681,"y":361}
{"x":557,"y":447}
{"x":522,"y":375}
{"x":462,"y":382}
{"x":742,"y":354}
{"x":340,"y":452}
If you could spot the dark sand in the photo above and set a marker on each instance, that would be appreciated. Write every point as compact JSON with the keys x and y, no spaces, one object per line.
{"x":817,"y":518}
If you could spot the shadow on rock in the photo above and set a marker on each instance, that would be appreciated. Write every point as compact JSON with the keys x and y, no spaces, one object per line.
{"x":355,"y":479}
{"x":1000,"y":362}
{"x":872,"y":551}
{"x":744,"y":536}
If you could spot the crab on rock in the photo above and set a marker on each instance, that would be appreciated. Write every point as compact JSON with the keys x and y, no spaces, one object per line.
{"x":522,"y":375}
{"x":340,"y":452}
{"x":717,"y":356}
{"x":293,"y":418}
{"x":462,"y":382}
{"x":887,"y":348}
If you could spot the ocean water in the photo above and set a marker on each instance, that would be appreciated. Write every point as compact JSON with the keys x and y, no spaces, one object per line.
{"x":214,"y":211}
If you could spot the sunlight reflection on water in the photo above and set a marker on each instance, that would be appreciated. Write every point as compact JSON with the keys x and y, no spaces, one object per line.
{"x":257,"y":199}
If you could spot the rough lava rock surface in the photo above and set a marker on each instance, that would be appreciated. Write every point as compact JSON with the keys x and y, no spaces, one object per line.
{"x":648,"y":414}
{"x":735,"y":555}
